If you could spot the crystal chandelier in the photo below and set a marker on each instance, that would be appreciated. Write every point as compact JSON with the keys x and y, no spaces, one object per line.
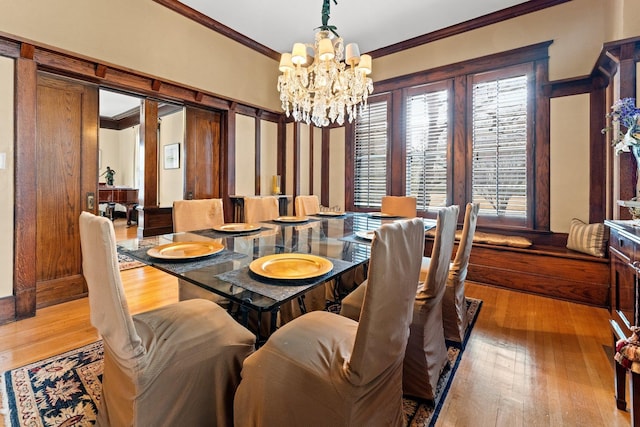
{"x":316,"y":85}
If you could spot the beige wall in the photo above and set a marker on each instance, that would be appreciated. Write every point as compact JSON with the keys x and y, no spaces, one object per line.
{"x":6,"y":177}
{"x":149,"y":38}
{"x":268,"y":155}
{"x":171,"y":181}
{"x":245,"y":155}
{"x":569,"y":145}
{"x":117,"y":149}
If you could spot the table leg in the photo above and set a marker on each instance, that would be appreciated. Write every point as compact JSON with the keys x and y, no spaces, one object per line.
{"x":619,"y":379}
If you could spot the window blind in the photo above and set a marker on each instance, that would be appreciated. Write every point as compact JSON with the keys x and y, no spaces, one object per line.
{"x":499,"y":172}
{"x":427,"y":130}
{"x":371,"y":138}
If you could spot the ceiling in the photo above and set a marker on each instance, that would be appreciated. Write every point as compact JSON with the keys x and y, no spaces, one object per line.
{"x":372,"y":24}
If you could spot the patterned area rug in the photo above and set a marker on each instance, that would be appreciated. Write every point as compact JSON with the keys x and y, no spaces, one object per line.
{"x":64,"y":390}
{"x":125,"y":262}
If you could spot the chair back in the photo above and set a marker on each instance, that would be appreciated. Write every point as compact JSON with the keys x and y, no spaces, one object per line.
{"x":399,"y":205}
{"x":198,"y":214}
{"x":383,"y":330}
{"x":107,"y":302}
{"x":258,"y":209}
{"x":460,"y":266}
{"x":307,"y":205}
{"x":441,"y":254}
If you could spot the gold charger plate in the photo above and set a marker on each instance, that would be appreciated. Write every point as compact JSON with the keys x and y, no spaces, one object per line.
{"x":291,"y":266}
{"x":291,"y":219}
{"x":330,"y":213}
{"x":236,"y":227}
{"x":185,"y":250}
{"x":367,"y":235}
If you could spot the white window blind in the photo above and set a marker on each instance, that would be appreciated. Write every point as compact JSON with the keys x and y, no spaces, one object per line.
{"x":499,"y":120}
{"x":427,"y":131}
{"x":371,"y":138}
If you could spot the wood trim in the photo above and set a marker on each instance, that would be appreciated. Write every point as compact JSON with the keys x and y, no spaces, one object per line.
{"x":228,"y":162}
{"x":542,"y":143}
{"x":216,"y":26}
{"x":397,"y":151}
{"x":149,"y":137}
{"x":7,"y":309}
{"x":297,"y":128}
{"x":325,"y":166}
{"x":520,"y":55}
{"x":24,"y":286}
{"x":311,"y":132}
{"x":568,"y":87}
{"x":349,"y":165}
{"x":281,"y":159}
{"x":458,"y":193}
{"x":598,"y":148}
{"x":473,"y":24}
{"x":258,"y":139}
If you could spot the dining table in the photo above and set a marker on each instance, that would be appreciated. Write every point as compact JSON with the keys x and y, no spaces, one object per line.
{"x":260,"y":267}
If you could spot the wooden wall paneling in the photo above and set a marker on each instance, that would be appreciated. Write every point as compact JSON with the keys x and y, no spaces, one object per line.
{"x":311,"y":160}
{"x":7,"y":309}
{"x":598,"y":156}
{"x":349,"y":165}
{"x":397,"y":153}
{"x":628,"y":167}
{"x":202,"y":157}
{"x":66,"y":174}
{"x":539,"y":183}
{"x":228,"y":161}
{"x":456,"y":194}
{"x":297,"y":129}
{"x":25,"y":189}
{"x":281,"y":158}
{"x":258,"y":147}
{"x":148,"y":194}
{"x":325,"y":165}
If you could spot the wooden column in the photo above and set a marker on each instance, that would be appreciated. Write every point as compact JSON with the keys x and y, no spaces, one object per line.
{"x":628,"y":167}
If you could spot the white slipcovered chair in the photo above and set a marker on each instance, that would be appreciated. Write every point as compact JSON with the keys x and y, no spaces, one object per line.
{"x":426,"y":352}
{"x":258,"y":209}
{"x":454,"y":306}
{"x":189,"y":215}
{"x":322,"y":369}
{"x":307,"y":205}
{"x":175,"y":365}
{"x":399,"y":205}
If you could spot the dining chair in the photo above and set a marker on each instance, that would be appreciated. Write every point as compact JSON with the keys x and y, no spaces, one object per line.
{"x":176,"y":365}
{"x":197,"y":214}
{"x":307,"y":205}
{"x":399,"y":205}
{"x":454,"y":305}
{"x":426,"y":352}
{"x":323,"y":369}
{"x":189,"y":215}
{"x":258,"y":209}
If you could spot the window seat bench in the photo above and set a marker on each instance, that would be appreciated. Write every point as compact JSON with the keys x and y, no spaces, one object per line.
{"x":544,"y":269}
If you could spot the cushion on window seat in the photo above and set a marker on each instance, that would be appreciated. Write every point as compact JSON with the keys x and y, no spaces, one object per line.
{"x":494,"y":239}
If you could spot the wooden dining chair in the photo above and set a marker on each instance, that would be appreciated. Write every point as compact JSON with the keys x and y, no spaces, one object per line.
{"x":176,"y":365}
{"x":322,"y":369}
{"x":399,"y":206}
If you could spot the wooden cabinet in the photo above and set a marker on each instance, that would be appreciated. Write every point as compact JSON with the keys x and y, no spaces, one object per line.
{"x":624,"y":245}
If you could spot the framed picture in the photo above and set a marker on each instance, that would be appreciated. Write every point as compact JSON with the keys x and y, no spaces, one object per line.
{"x":172,"y":156}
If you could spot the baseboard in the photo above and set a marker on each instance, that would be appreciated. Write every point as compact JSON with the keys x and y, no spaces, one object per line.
{"x":7,"y":309}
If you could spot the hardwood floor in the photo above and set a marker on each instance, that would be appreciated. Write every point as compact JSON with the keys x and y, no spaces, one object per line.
{"x":530,"y":360}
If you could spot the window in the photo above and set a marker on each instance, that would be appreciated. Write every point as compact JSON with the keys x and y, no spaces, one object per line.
{"x":427,"y":141}
{"x":499,"y":138}
{"x":370,"y":159}
{"x":458,"y":134}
